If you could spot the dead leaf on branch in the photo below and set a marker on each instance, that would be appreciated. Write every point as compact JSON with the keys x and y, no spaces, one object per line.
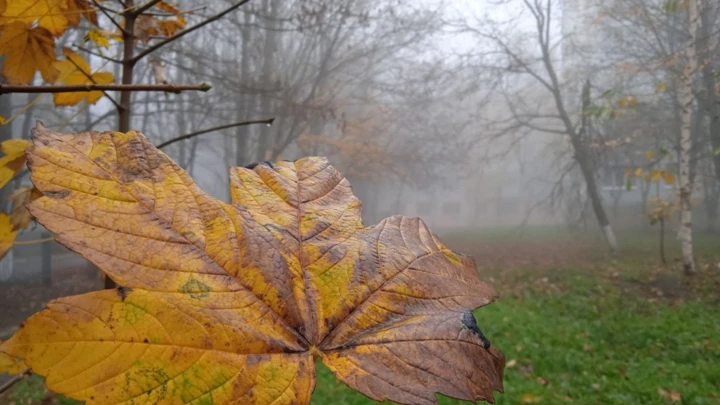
{"x":244,"y":296}
{"x":7,"y":234}
{"x":75,"y":70}
{"x":14,"y":159}
{"x":26,"y":51}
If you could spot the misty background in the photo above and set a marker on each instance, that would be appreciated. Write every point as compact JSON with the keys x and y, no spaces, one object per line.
{"x":445,"y":110}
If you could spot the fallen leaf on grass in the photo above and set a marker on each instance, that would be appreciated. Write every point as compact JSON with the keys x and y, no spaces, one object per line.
{"x":511,"y":363}
{"x":530,"y":398}
{"x":543,"y":380}
{"x":672,"y":395}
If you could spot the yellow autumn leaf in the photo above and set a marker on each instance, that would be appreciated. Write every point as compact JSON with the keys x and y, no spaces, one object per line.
{"x":638,"y":172}
{"x":7,"y":234}
{"x":26,"y":51}
{"x":628,"y":102}
{"x":628,"y":172}
{"x":78,"y":8}
{"x":528,"y":398}
{"x":10,"y":365}
{"x":668,"y":177}
{"x":661,"y":87}
{"x":19,"y":198}
{"x":14,"y":159}
{"x":656,"y":175}
{"x":650,"y":155}
{"x":2,"y":120}
{"x":98,"y":37}
{"x":647,"y":177}
{"x":232,"y":303}
{"x":75,"y":70}
{"x":49,"y":14}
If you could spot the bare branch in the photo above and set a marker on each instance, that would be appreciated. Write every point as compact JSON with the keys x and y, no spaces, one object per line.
{"x":98,"y":54}
{"x":104,"y":11}
{"x":141,"y":9}
{"x":170,"y":88}
{"x":205,"y":131}
{"x":180,"y":34}
{"x":89,"y":76}
{"x":14,"y":380}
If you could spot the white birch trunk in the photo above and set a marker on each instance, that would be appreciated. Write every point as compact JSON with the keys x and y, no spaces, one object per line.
{"x":685,"y":182}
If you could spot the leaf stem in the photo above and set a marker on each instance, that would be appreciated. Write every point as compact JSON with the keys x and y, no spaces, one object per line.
{"x":170,"y":88}
{"x":218,"y":128}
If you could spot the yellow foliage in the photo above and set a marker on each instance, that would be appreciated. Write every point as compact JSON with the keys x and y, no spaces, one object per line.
{"x":14,"y":159}
{"x":650,"y":155}
{"x":668,"y":177}
{"x":10,"y":364}
{"x":246,"y":295}
{"x":49,"y":14}
{"x":75,"y":70}
{"x":77,"y":8}
{"x":661,"y":87}
{"x":98,"y":37}
{"x":7,"y":234}
{"x":20,"y":197}
{"x":628,"y":102}
{"x":26,"y":51}
{"x":638,"y":172}
{"x":656,"y":174}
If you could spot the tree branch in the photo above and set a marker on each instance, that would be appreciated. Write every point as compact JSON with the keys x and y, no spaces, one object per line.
{"x":205,"y":131}
{"x":14,"y":380}
{"x":166,"y":41}
{"x":170,"y":88}
{"x":147,"y":6}
{"x":112,"y":20}
{"x":89,"y":76}
{"x":118,"y":61}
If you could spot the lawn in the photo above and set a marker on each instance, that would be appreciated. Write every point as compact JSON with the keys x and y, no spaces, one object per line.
{"x":591,"y":330}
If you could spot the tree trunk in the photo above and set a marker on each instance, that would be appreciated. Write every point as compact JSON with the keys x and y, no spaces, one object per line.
{"x":709,"y":100}
{"x":685,"y":181}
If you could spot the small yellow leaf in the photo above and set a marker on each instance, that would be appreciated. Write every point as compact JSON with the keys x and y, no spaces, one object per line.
{"x":49,"y":14}
{"x":11,"y":365}
{"x":19,"y":198}
{"x":646,"y":176}
{"x":672,"y":395}
{"x":656,"y":175}
{"x":650,"y":155}
{"x":7,"y":234}
{"x":75,"y":70}
{"x":13,"y":160}
{"x":628,"y":102}
{"x":77,"y":8}
{"x":98,"y":37}
{"x":628,"y":172}
{"x":668,"y":177}
{"x":2,"y":120}
{"x":661,"y":87}
{"x":638,"y":172}
{"x":15,"y":147}
{"x":530,"y":398}
{"x":26,"y":51}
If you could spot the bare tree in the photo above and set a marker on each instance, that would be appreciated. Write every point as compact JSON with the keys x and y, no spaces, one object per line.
{"x":534,"y":55}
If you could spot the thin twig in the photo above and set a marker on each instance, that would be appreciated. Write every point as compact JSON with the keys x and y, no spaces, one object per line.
{"x":154,"y":47}
{"x":170,"y":88}
{"x":104,"y":11}
{"x":34,"y":241}
{"x":205,"y":131}
{"x":89,"y":76}
{"x":98,"y":54}
{"x":141,"y":9}
{"x":14,"y":380}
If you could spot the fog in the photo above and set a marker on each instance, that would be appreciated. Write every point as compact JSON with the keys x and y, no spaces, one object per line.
{"x":447,"y":110}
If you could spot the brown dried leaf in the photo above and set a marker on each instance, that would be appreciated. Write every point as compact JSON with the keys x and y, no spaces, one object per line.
{"x":244,"y":295}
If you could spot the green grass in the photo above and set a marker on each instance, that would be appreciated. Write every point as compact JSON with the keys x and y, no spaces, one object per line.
{"x":592,"y":344}
{"x":580,"y":335}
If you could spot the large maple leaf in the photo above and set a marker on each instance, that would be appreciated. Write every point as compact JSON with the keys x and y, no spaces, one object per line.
{"x":231,"y":303}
